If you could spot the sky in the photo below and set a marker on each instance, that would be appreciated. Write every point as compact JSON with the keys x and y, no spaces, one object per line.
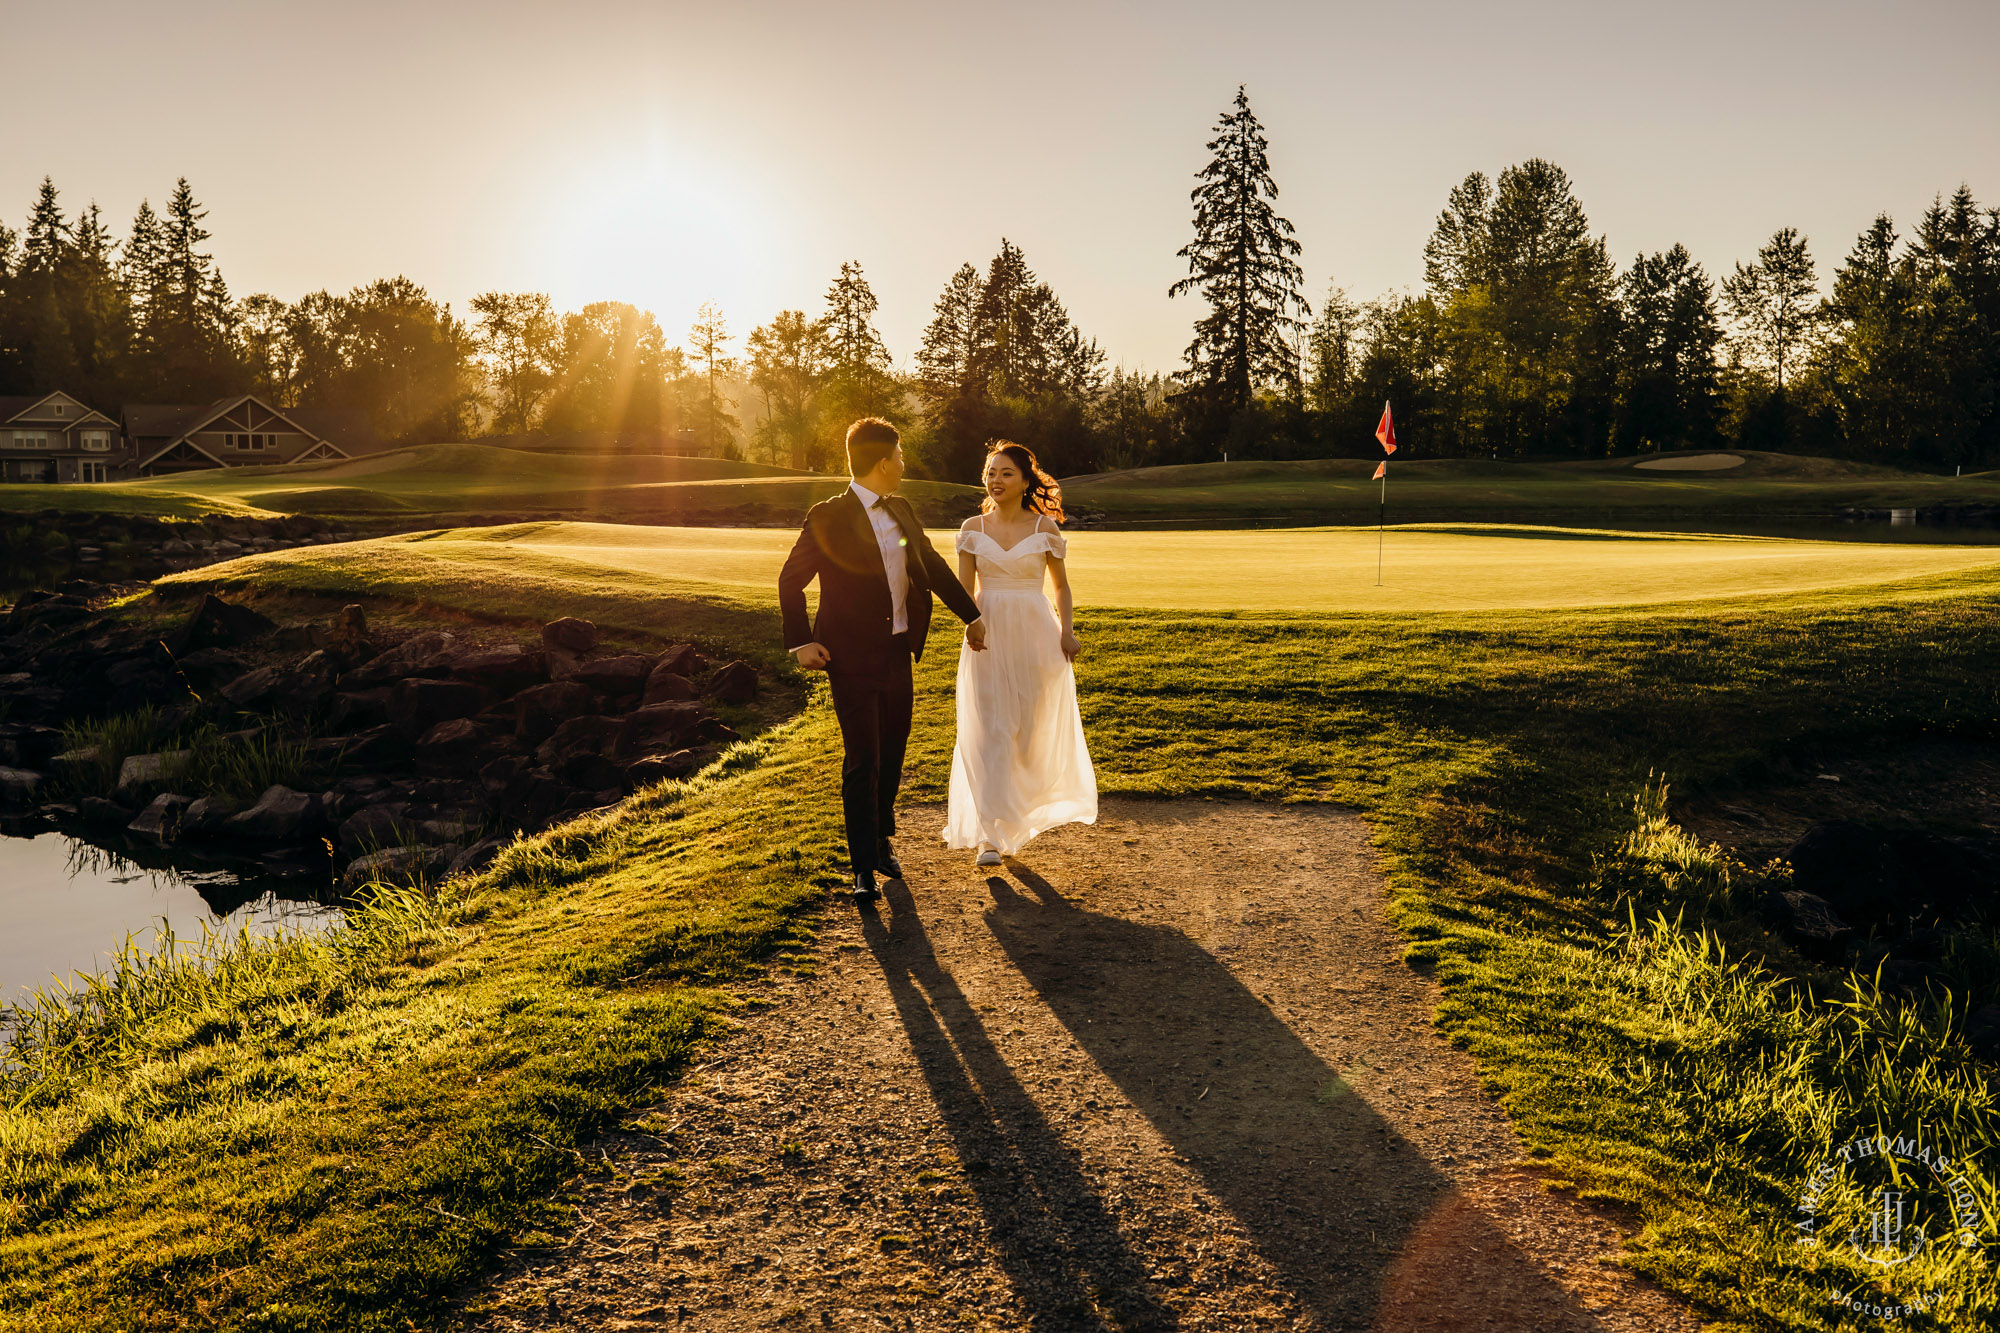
{"x":666,"y":153}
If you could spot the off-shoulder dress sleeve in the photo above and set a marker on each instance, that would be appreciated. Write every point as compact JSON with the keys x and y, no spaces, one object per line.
{"x":964,"y":541}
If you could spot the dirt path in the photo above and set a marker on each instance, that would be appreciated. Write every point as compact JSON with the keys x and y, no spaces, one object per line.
{"x":1169,"y":1072}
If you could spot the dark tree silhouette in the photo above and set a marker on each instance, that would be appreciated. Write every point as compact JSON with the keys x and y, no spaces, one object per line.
{"x":1241,"y":262}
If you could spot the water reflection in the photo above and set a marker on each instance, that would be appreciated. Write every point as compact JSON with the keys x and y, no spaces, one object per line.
{"x":66,"y":905}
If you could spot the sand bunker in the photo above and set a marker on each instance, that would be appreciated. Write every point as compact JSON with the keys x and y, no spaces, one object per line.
{"x":1698,"y":463}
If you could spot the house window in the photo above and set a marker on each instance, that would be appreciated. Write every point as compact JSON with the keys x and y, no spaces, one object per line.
{"x":97,"y":441}
{"x":60,"y":409}
{"x":31,"y":439}
{"x":92,"y":470}
{"x":251,"y":442}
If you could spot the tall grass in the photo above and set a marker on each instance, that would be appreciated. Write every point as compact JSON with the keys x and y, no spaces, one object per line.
{"x":218,"y":763}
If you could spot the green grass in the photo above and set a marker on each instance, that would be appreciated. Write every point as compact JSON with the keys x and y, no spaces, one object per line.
{"x":1446,"y":490}
{"x":313,"y":1145}
{"x":1316,"y":570}
{"x":461,"y":479}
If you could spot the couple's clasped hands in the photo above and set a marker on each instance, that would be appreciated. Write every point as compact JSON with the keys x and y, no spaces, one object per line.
{"x":814,"y":656}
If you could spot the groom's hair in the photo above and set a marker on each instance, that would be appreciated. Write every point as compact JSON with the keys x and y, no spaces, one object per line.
{"x":869,"y":441}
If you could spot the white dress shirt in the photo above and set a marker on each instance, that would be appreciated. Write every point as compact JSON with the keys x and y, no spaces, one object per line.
{"x":895,"y":546}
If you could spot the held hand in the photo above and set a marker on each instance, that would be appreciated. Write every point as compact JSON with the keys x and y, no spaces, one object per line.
{"x":975,"y":636}
{"x":1070,"y":647}
{"x":812,"y":656}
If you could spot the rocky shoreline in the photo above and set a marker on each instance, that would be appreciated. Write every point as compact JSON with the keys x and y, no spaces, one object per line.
{"x":417,"y":754}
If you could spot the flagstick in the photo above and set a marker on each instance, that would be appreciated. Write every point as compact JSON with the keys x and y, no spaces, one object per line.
{"x":1381,"y":520}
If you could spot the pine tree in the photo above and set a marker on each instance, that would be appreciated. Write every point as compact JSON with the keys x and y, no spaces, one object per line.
{"x":1667,"y":354}
{"x":1241,"y":261}
{"x":708,"y":338}
{"x":859,"y":382}
{"x":1775,"y":302}
{"x":1333,"y":353}
{"x":37,"y":308}
{"x":945,"y":356}
{"x":190,"y":332}
{"x":95,"y":311}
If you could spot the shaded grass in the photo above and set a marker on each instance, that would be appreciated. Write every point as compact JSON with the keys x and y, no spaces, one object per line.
{"x":217,"y":764}
{"x":1580,"y":943}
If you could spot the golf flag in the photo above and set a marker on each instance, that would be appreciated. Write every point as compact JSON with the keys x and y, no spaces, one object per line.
{"x":1381,"y":470}
{"x":1386,"y":432}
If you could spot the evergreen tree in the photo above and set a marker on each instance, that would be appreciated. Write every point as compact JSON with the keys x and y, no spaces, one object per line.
{"x":1775,"y":303}
{"x":707,"y":341}
{"x":42,"y":332}
{"x":1241,"y":261}
{"x":188,"y":336}
{"x":13,"y":366}
{"x":1527,"y":304}
{"x":945,"y":357}
{"x":1333,"y":354}
{"x":96,"y":312}
{"x":858,"y":378}
{"x":1667,"y":354}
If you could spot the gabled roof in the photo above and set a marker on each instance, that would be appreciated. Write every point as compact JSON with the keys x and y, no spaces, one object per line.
{"x":159,"y":426}
{"x":18,"y":405}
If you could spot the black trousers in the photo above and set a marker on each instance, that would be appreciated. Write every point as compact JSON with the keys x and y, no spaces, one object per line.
{"x":873,"y":708}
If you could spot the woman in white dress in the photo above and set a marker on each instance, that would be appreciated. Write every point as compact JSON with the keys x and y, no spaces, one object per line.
{"x":1020,"y":766}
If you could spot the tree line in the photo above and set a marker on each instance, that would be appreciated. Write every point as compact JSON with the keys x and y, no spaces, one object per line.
{"x":1526,"y":339}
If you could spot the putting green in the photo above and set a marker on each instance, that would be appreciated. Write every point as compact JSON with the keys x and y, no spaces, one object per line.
{"x":1466,"y":568}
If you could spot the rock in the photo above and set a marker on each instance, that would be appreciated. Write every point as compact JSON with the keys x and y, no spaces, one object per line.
{"x":658,"y":728}
{"x":14,"y":680}
{"x":506,"y":668}
{"x":717,"y":731}
{"x":378,"y":747}
{"x":454,"y":831}
{"x":578,"y":736}
{"x":534,"y":796}
{"x":476,"y":857}
{"x":735,"y":683}
{"x":540,"y":709}
{"x":421,"y":704}
{"x":97,"y":810}
{"x":150,"y":770}
{"x":205,"y":666}
{"x":679,"y":660}
{"x":1875,"y":875}
{"x":386,"y":824}
{"x":661,"y":768}
{"x":394,"y":865}
{"x":29,"y":744}
{"x":615,"y":675}
{"x":207,"y":814}
{"x":1809,"y":923}
{"x":590,"y":772}
{"x":570,"y":634}
{"x":218,"y":624}
{"x":73,"y":764}
{"x":663,"y":686}
{"x":499,"y":774}
{"x":279,"y":815}
{"x":17,"y":785}
{"x":161,"y":819}
{"x":450,"y":745}
{"x":255,"y":687}
{"x":420,"y":654}
{"x":359,"y":709}
{"x":175,"y":546}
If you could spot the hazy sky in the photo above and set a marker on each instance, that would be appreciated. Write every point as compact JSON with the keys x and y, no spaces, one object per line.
{"x":663,"y":153}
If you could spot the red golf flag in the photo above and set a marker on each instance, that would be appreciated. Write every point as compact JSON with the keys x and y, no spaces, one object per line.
{"x":1381,"y":470}
{"x":1386,"y":432}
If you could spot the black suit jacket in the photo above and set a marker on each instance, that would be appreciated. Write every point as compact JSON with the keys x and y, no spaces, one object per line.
{"x":856,"y":617}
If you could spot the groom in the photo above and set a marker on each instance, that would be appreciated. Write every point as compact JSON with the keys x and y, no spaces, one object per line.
{"x":876,"y":573}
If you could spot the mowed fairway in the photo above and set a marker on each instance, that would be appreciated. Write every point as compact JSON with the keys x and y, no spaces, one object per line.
{"x":1468,"y":568}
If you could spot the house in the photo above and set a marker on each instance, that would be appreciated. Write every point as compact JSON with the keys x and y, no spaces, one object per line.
{"x":243,"y":431}
{"x":55,"y":437}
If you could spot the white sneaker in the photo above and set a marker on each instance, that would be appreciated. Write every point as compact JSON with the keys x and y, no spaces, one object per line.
{"x":988,"y":857}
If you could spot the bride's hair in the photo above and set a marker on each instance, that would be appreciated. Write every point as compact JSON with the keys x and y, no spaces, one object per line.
{"x":1041,"y":494}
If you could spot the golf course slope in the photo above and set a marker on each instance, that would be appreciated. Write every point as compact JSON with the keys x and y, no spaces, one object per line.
{"x":1307,"y":570}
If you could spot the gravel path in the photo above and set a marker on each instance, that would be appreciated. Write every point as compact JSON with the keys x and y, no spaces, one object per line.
{"x":1169,"y":1072}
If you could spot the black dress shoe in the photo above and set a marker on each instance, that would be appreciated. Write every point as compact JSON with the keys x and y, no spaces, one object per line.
{"x":865,"y":890}
{"x":887,"y":864}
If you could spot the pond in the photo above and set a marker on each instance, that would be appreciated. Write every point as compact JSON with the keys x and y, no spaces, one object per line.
{"x":67,"y":905}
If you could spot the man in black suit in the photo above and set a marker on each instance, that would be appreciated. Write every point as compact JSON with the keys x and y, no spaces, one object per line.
{"x":876,"y":573}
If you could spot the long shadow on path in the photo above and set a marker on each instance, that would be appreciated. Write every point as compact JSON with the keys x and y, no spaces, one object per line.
{"x":1333,"y":1197}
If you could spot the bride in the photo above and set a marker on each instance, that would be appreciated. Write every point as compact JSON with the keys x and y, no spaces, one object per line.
{"x":1020,"y":765}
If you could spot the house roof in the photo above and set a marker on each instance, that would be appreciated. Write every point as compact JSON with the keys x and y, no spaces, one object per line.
{"x":346,"y":429}
{"x":13,"y":405}
{"x":164,"y":421}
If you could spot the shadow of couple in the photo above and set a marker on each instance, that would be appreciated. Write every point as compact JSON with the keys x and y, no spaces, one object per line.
{"x":1360,"y":1228}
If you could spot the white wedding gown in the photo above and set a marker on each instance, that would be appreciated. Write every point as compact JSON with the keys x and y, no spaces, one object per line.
{"x":1020,"y":766}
